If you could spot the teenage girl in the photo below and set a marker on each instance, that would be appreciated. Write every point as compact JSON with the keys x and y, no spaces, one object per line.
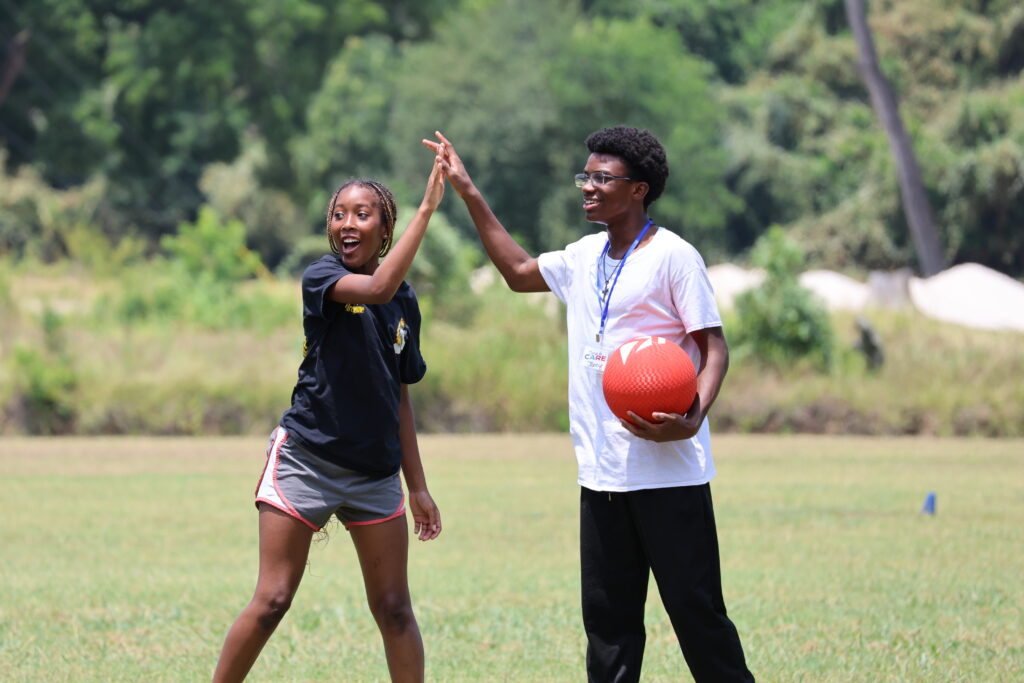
{"x":349,"y":431}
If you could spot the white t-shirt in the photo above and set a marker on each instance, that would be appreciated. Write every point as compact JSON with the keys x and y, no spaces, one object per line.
{"x":662,"y":290}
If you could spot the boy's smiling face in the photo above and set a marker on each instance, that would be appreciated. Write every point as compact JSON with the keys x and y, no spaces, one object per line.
{"x":604,"y":203}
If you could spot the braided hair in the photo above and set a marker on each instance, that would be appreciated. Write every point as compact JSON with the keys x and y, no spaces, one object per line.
{"x":388,"y":208}
{"x":641,"y":152}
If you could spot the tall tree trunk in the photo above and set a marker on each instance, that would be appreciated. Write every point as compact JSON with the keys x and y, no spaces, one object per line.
{"x":13,"y":62}
{"x":915,"y":202}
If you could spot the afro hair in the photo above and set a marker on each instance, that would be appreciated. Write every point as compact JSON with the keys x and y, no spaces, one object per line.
{"x":640,"y":151}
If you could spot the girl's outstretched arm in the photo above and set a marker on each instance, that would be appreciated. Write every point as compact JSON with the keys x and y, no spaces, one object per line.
{"x":380,"y":287}
{"x":520,"y":270}
{"x":426,"y":517}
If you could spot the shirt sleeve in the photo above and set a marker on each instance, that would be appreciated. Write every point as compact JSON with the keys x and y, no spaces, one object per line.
{"x":317,"y":281}
{"x":411,"y":366}
{"x":556,"y":268}
{"x":694,"y":296}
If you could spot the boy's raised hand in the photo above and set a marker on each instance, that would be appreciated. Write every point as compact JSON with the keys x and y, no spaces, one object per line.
{"x":451,"y":163}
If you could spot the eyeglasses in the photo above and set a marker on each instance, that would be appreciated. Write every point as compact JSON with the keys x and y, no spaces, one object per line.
{"x":597,"y":178}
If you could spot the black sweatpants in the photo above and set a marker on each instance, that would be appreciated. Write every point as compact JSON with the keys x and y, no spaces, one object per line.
{"x":670,"y":531}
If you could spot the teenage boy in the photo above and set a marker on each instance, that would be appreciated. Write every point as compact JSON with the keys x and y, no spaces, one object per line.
{"x":645,"y":500}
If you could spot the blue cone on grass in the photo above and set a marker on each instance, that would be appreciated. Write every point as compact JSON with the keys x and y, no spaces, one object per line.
{"x":929,"y":504}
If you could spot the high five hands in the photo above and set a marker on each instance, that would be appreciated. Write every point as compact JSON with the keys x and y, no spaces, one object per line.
{"x":450,"y":163}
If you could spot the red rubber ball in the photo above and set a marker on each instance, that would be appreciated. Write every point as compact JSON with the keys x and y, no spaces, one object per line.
{"x":648,"y":375}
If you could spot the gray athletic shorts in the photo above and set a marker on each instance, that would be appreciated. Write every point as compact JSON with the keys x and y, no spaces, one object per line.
{"x":311,"y":489}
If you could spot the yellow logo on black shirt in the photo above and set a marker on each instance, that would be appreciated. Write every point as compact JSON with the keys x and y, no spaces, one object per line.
{"x":355,"y":308}
{"x":401,"y":334}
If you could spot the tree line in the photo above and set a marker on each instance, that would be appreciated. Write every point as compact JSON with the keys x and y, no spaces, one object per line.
{"x":126,"y":119}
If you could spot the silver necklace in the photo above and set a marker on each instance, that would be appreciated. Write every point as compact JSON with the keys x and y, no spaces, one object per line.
{"x":608,"y":277}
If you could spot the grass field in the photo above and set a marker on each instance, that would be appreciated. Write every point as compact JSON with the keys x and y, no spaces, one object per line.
{"x":127,"y":559}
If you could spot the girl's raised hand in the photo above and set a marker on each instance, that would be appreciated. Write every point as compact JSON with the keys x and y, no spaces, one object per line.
{"x":435,"y":184}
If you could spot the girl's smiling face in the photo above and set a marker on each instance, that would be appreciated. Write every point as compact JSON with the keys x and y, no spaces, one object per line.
{"x":357,"y":228}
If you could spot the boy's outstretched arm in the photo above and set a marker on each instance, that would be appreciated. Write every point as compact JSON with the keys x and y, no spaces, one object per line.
{"x":520,"y":270}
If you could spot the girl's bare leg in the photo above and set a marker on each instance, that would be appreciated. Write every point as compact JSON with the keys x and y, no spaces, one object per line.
{"x":284,"y":548}
{"x":383,"y":551}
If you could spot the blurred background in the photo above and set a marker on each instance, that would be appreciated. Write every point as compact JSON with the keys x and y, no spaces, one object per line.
{"x":166,"y":165}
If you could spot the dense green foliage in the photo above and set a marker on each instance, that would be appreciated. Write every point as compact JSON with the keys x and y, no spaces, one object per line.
{"x":44,"y":381}
{"x":780,"y":322}
{"x":163,"y":176}
{"x":261,"y":108}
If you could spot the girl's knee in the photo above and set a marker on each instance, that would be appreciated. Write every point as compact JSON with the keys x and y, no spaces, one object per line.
{"x":393,"y":612}
{"x":271,"y":606}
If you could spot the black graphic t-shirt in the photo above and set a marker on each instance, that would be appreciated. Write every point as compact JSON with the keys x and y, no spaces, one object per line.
{"x":345,"y":403}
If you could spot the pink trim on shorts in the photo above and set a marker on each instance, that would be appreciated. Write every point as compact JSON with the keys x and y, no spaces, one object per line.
{"x":287,"y":508}
{"x":397,"y":513}
{"x":290,"y":513}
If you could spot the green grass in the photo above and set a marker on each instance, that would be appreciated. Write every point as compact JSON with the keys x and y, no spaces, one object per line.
{"x":127,"y":559}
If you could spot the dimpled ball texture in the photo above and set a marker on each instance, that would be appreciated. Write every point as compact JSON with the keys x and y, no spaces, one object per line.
{"x":648,"y":375}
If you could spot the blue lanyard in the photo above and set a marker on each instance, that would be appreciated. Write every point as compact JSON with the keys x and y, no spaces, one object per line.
{"x":606,"y":296}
